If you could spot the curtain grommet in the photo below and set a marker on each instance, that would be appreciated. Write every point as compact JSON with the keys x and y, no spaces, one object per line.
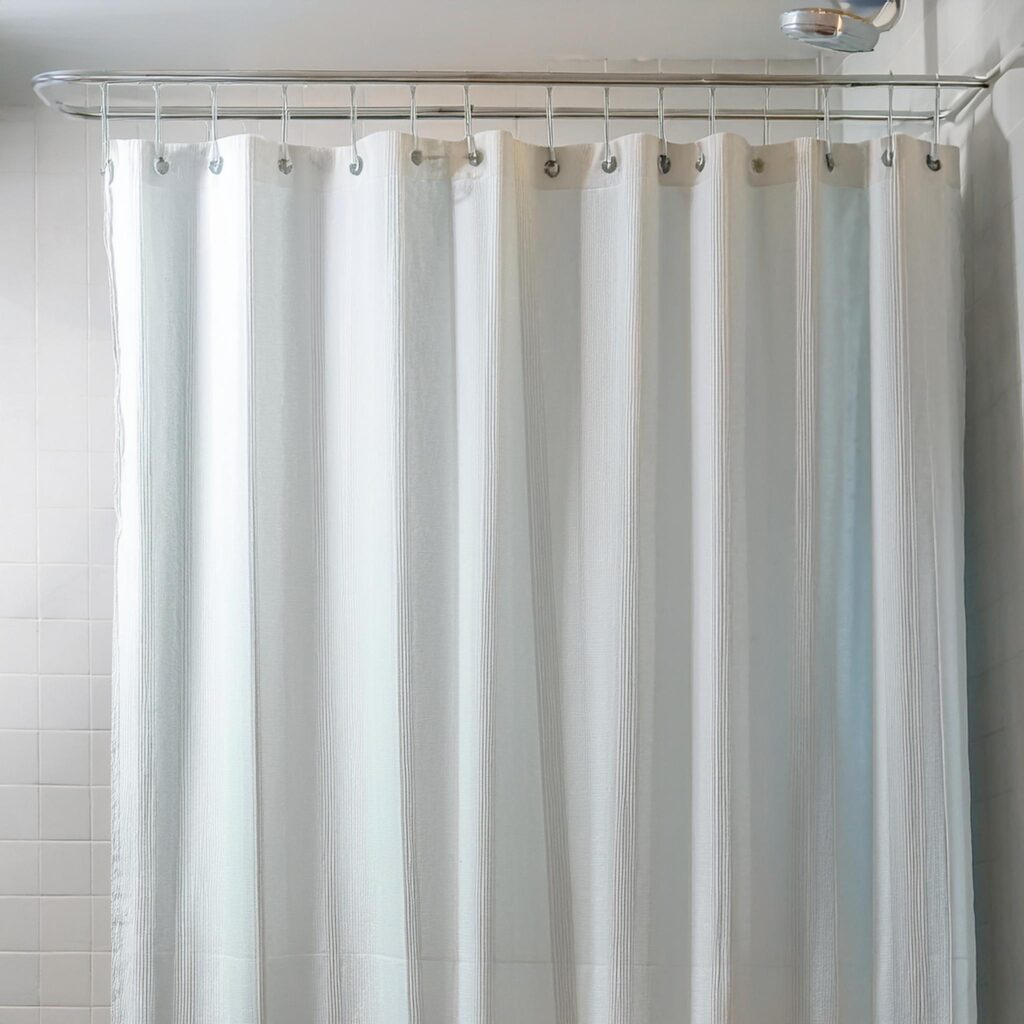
{"x":887,"y":157}
{"x":160,"y":165}
{"x":702,"y":162}
{"x":933,"y":162}
{"x":476,"y":157}
{"x":356,"y":166}
{"x":552,"y":168}
{"x":217,"y":164}
{"x":610,"y":164}
{"x":757,"y":165}
{"x":284,"y":165}
{"x":830,"y":162}
{"x":664,"y":163}
{"x":416,"y":156}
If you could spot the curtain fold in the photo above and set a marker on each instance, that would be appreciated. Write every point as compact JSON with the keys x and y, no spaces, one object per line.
{"x":539,"y":599}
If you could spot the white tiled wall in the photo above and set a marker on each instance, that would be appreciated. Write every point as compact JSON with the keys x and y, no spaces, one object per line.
{"x":968,"y":37}
{"x":56,"y":532}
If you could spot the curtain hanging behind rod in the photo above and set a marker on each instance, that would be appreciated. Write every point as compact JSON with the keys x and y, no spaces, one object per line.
{"x":539,"y":599}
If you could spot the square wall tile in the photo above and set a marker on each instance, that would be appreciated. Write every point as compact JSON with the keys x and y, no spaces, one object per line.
{"x":63,"y":479}
{"x":65,"y":979}
{"x":61,"y":365}
{"x":65,"y":924}
{"x":63,"y":423}
{"x":64,"y":591}
{"x":64,"y":647}
{"x":64,"y":702}
{"x":19,"y":923}
{"x":64,"y":869}
{"x":19,"y":702}
{"x":19,"y":814}
{"x":19,"y":758}
{"x":19,"y":652}
{"x":19,"y":979}
{"x":64,"y":759}
{"x":18,"y":595}
{"x":64,"y":812}
{"x":17,"y":535}
{"x":19,"y":868}
{"x":63,"y":535}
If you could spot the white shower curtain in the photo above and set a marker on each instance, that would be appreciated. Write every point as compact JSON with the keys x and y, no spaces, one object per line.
{"x":539,"y":599}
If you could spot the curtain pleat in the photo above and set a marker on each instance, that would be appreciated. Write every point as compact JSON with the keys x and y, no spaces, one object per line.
{"x":539,"y":599}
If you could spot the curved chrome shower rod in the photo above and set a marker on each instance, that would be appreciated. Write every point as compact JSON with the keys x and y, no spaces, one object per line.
{"x":48,"y":87}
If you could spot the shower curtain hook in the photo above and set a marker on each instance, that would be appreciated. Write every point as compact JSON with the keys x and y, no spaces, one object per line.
{"x":416,"y":156}
{"x":887,"y":153}
{"x":830,"y":161}
{"x":551,"y":165}
{"x":932,"y":159}
{"x":284,"y":164}
{"x":766,"y":132}
{"x":473,"y":155}
{"x":160,"y":164}
{"x":216,"y":160}
{"x":107,"y":168}
{"x":702,"y":160}
{"x":356,"y":166}
{"x":664,"y":160}
{"x":609,"y":161}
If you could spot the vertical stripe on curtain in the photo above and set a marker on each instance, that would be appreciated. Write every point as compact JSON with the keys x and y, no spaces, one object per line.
{"x":539,"y":599}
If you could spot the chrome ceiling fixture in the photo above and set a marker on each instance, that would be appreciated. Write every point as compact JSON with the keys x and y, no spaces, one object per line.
{"x":849,"y":27}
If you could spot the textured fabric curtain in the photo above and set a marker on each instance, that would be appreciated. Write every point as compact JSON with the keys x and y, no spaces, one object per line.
{"x":539,"y":599}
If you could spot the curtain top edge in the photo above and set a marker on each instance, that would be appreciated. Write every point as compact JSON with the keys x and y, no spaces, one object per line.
{"x":388,"y":153}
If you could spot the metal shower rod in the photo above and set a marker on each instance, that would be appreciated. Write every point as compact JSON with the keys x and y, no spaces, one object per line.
{"x":51,"y":87}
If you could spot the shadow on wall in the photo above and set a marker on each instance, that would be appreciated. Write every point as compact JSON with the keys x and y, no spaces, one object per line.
{"x":994,"y":565}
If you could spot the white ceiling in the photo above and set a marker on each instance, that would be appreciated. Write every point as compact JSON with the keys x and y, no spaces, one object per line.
{"x":41,"y":35}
